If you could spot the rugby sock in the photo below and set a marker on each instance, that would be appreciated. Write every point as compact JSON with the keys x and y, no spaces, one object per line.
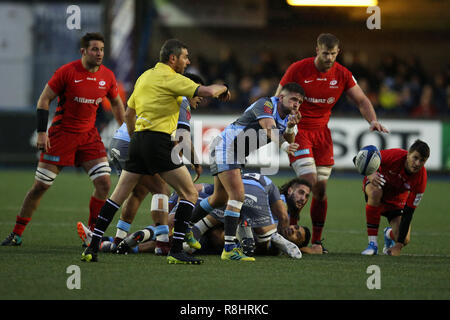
{"x":230,"y":225}
{"x":95,"y":205}
{"x":182,"y":216}
{"x":201,"y":227}
{"x":20,"y":225}
{"x":123,"y":228}
{"x":390,"y":234}
{"x":373,"y":216}
{"x":318,"y":213}
{"x":104,"y":219}
{"x":200,"y":211}
{"x":162,"y":233}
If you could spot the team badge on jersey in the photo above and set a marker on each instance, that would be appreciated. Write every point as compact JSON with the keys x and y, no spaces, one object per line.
{"x":188,"y":113}
{"x":268,"y":107}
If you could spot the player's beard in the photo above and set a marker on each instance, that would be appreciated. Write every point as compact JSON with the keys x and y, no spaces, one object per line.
{"x":326,"y":65}
{"x":285,"y":110}
{"x":292,"y":204}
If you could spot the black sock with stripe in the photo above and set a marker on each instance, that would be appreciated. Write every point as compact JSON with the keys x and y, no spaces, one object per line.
{"x":181,"y":226}
{"x":105,"y":217}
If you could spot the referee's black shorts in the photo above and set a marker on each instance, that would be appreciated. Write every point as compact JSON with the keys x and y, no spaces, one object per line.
{"x":150,"y":152}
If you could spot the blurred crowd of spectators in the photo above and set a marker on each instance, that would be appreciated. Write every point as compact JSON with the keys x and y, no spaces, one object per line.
{"x":397,"y":86}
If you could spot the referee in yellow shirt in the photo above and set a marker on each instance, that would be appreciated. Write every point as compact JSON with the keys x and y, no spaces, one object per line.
{"x":151,"y":118}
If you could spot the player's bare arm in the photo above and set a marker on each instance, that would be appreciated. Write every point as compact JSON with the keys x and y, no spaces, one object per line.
{"x":268,"y":124}
{"x":118,"y":109}
{"x":278,"y":89}
{"x":365,"y":107}
{"x":280,"y":212}
{"x":43,"y":106}
{"x":218,"y":91}
{"x":289,"y":134}
{"x":130,"y":120}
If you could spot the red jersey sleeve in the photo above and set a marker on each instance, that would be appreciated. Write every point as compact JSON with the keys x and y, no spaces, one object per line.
{"x":291,"y":74}
{"x":417,"y":190}
{"x":58,"y":81}
{"x":113,"y":89}
{"x":350,"y":81}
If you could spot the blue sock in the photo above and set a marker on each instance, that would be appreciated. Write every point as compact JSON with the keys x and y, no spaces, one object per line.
{"x":161,"y":229}
{"x":154,"y":232}
{"x":125,"y":226}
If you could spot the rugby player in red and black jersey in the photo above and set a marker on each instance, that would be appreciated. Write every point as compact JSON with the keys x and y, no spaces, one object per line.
{"x":73,"y":139}
{"x":394,"y":191}
{"x":324,"y":81}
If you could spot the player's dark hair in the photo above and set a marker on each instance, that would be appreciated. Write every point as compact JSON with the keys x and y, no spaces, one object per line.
{"x":328,"y":40}
{"x":307,"y":237}
{"x":88,"y":37}
{"x":293,"y":87}
{"x":194,"y":77}
{"x":421,"y":147}
{"x":171,"y":46}
{"x":285,"y":187}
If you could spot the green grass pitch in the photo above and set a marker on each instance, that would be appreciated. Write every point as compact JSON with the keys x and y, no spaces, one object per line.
{"x":38,"y":268}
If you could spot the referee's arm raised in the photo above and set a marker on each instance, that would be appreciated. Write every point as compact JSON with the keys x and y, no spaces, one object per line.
{"x":218,"y":91}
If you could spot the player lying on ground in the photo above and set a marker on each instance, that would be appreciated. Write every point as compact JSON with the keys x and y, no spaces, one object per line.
{"x":152,"y":183}
{"x":262,"y":200}
{"x":394,"y":191}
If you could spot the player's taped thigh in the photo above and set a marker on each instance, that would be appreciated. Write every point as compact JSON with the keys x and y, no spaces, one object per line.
{"x":160,"y":202}
{"x":98,"y":170}
{"x":323,"y":173}
{"x":261,"y":238}
{"x":45,"y":176}
{"x":304,"y":166}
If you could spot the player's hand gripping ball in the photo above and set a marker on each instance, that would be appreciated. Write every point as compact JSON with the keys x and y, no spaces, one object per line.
{"x":368,"y":160}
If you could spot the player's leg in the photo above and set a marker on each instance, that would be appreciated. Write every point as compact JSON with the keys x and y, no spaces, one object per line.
{"x":305,"y":168}
{"x":218,"y":199}
{"x":99,"y":172}
{"x":231,"y":181}
{"x":44,"y":177}
{"x":395,"y":225}
{"x":268,"y":236}
{"x":126,"y":184}
{"x":180,"y":179}
{"x":129,"y":211}
{"x":373,"y":196}
{"x":319,"y":205}
{"x":159,"y":211}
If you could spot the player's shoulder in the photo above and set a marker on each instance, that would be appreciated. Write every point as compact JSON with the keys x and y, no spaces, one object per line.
{"x":303,"y":63}
{"x":69,"y":67}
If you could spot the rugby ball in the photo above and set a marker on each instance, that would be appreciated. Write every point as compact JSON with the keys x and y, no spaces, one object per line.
{"x":368,"y":160}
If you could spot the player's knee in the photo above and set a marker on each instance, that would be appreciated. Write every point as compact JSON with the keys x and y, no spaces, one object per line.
{"x":374,"y":194}
{"x":190,"y":194}
{"x":44,"y":178}
{"x":102,"y":185}
{"x":100,"y":170}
